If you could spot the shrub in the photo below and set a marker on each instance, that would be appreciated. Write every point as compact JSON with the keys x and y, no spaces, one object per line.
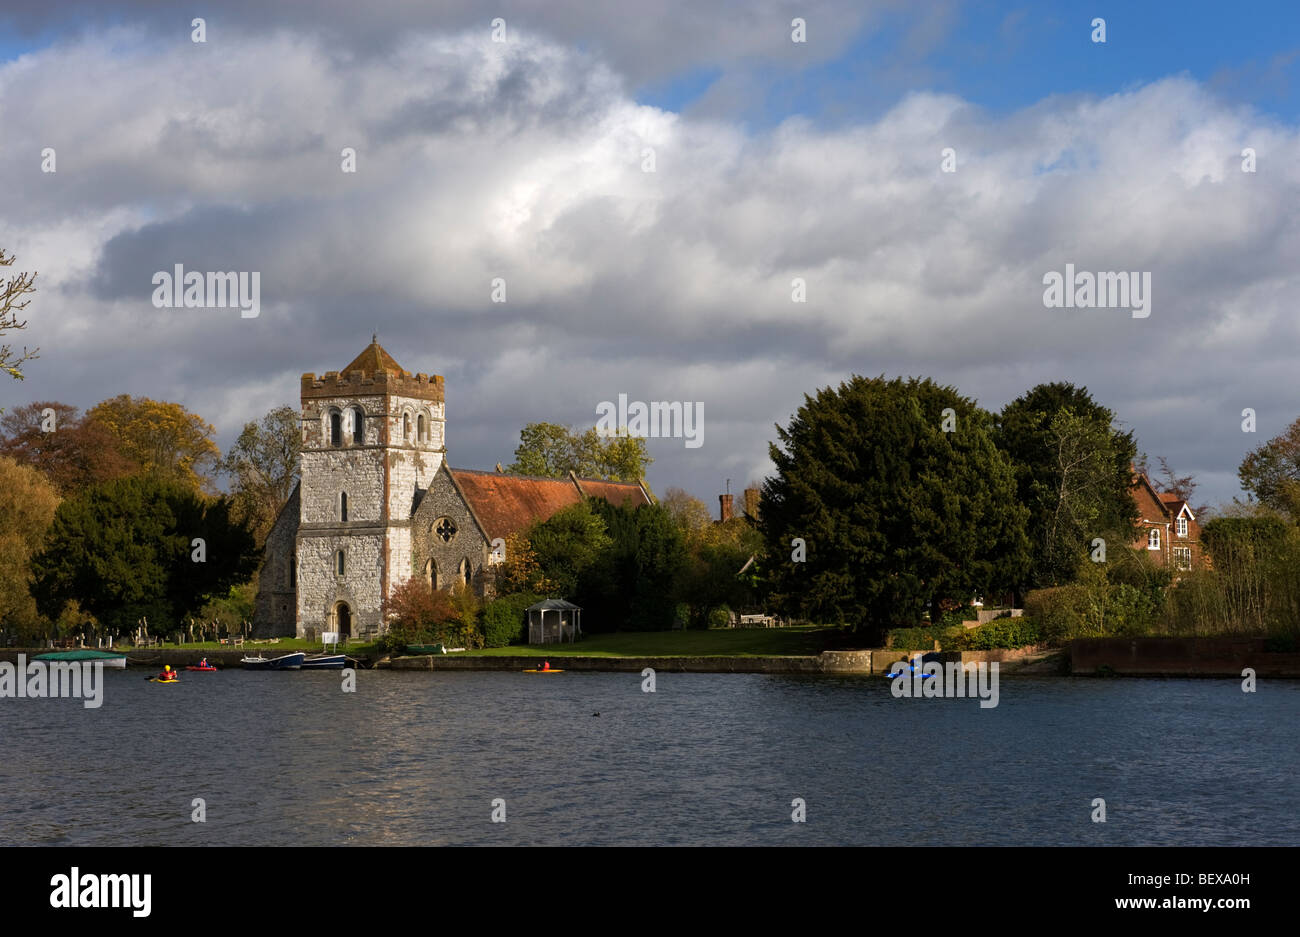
{"x":1000,"y":633}
{"x":504,"y":619}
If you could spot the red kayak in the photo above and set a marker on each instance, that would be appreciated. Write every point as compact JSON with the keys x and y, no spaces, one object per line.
{"x":202,"y":669}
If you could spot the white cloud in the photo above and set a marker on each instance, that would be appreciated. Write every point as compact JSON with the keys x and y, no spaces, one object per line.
{"x":524,"y":162}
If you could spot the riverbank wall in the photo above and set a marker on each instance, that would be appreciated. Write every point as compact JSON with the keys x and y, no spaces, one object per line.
{"x":1179,"y":657}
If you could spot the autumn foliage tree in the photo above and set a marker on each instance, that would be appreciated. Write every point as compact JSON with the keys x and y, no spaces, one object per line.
{"x":164,"y":439}
{"x":27,"y":505}
{"x":70,"y":450}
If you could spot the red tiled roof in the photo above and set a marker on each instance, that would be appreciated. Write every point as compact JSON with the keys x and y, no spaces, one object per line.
{"x":505,"y":504}
{"x":622,"y":494}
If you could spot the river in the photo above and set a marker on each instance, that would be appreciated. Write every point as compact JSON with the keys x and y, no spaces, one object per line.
{"x":707,"y":759}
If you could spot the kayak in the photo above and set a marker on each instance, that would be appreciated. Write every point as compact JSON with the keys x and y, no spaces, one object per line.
{"x":202,"y":669}
{"x":158,"y":680}
{"x":552,"y":670}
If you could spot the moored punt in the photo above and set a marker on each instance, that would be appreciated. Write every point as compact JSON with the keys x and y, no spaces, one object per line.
{"x":326,"y":662}
{"x":109,"y":658}
{"x":284,"y":662}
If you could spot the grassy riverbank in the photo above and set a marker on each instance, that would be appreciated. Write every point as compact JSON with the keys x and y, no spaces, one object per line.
{"x":724,"y":642}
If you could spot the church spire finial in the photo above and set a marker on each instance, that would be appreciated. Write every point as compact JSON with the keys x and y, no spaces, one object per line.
{"x":374,"y":338}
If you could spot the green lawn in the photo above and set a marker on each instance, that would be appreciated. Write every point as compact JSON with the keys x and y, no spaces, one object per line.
{"x":723,"y":642}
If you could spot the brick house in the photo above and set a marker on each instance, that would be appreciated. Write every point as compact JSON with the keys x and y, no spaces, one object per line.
{"x":1167,"y":528}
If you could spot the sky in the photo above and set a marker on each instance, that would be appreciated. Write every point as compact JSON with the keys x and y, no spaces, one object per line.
{"x":774,"y":161}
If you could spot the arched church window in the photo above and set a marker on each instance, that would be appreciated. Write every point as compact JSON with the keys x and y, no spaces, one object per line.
{"x":421,"y":430}
{"x":464,"y":571}
{"x":339,"y":563}
{"x":406,"y":426}
{"x":444,"y":529}
{"x":358,"y":427}
{"x":293,"y":570}
{"x":431,"y":574}
{"x":336,"y":428}
{"x":343,"y":505}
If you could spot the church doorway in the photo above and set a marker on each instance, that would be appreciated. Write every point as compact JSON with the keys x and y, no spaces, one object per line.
{"x":343,"y":620}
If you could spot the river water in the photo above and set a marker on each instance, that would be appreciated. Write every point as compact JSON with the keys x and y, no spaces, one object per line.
{"x":711,"y":759}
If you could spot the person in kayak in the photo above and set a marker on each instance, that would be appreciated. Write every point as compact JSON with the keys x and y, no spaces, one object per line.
{"x":167,"y":673}
{"x":203,"y":663}
{"x":546,"y":665}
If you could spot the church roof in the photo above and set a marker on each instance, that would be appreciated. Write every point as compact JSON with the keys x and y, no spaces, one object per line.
{"x":505,"y":504}
{"x":374,"y":359}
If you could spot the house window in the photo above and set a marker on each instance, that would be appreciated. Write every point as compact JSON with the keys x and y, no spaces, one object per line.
{"x":343,"y":505}
{"x":336,"y":429}
{"x":1180,"y":526}
{"x":444,"y":529}
{"x":1182,"y":557}
{"x":1153,"y":538}
{"x":339,"y":564}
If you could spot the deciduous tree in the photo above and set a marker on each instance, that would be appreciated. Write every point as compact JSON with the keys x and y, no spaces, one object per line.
{"x":263,"y":465}
{"x":1271,"y":473}
{"x":12,"y":290}
{"x":1101,"y":475}
{"x":27,"y":505}
{"x":164,"y":439}
{"x":69,"y":449}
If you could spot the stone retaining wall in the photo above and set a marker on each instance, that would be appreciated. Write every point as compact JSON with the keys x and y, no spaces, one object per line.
{"x":1200,"y":657}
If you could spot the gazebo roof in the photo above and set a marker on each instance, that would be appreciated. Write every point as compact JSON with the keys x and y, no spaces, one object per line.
{"x":551,"y":604}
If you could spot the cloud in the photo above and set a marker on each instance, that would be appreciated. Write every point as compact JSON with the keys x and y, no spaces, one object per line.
{"x":524,"y":161}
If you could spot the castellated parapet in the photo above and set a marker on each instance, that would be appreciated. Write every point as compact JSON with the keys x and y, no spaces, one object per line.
{"x":428,"y":387}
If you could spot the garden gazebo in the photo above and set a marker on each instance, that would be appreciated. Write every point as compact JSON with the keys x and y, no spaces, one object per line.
{"x":551,"y":620}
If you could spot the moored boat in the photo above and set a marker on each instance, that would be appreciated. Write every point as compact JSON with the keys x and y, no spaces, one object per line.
{"x":283,"y":662}
{"x":113,"y":659}
{"x":325,"y":662}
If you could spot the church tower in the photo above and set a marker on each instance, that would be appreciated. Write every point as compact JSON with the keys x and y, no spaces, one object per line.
{"x":372,"y":441}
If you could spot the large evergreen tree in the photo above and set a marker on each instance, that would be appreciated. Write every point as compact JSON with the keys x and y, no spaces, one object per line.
{"x":1073,"y":472}
{"x":901,"y":501}
{"x":632,"y":584}
{"x":125,"y":549}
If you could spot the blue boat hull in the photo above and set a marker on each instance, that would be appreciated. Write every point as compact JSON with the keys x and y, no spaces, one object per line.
{"x":330,"y":662}
{"x":286,"y":662}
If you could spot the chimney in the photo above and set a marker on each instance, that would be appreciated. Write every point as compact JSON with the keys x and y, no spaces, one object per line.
{"x":751,"y":502}
{"x":725,"y":501}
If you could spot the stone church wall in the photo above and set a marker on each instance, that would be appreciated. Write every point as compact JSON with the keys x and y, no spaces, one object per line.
{"x":276,"y":610}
